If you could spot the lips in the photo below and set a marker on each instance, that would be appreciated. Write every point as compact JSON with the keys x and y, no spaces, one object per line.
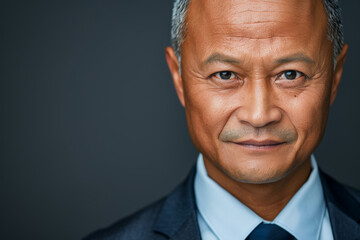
{"x":264,"y":143}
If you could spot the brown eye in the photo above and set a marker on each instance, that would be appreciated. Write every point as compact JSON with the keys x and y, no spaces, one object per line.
{"x":292,"y":74}
{"x":225,"y":75}
{"x":291,"y":78}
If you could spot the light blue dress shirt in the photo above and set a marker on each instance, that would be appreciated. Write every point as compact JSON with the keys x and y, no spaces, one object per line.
{"x":222,"y":217}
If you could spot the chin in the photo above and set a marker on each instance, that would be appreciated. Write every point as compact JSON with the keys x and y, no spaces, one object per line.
{"x":257,"y":177}
{"x":254,"y":166}
{"x":258,"y":169}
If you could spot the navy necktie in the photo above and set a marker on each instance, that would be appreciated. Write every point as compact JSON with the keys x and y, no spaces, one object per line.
{"x":267,"y":231}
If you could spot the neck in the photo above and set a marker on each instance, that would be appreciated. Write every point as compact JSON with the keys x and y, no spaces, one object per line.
{"x":266,"y":200}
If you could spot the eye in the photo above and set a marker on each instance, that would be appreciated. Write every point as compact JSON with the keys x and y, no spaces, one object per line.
{"x":291,"y":75}
{"x":224,"y":75}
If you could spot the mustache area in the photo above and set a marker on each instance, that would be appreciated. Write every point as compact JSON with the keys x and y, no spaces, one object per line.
{"x":246,"y":133}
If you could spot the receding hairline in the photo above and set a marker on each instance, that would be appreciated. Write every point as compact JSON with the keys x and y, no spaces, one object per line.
{"x":331,"y":9}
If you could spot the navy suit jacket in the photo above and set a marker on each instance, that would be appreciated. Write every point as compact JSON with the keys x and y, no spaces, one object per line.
{"x":175,"y":216}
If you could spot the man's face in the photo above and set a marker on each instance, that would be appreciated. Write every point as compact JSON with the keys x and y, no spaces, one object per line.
{"x":257,"y":83}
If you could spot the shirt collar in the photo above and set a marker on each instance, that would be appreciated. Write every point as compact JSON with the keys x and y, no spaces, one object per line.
{"x":229,"y":219}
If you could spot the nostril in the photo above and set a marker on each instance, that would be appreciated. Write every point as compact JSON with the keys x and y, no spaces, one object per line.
{"x":260,"y":119}
{"x":258,"y":124}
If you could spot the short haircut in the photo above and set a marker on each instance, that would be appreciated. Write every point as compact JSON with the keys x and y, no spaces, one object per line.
{"x":333,"y":11}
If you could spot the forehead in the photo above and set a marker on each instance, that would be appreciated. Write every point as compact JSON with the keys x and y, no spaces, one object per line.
{"x":245,"y":13}
{"x":214,"y":22}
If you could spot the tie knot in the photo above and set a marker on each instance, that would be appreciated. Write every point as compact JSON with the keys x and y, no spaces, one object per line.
{"x":267,"y":231}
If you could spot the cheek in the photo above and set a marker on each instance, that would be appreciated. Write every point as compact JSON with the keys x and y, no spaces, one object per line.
{"x":207,"y":111}
{"x":308,"y":113}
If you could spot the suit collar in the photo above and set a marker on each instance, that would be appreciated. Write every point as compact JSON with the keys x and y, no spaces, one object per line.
{"x":177,"y":218}
{"x":343,"y":208}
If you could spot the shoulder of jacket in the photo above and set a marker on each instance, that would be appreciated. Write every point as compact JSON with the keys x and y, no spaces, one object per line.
{"x":136,"y":226}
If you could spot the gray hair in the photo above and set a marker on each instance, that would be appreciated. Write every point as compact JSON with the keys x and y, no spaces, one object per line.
{"x":333,"y":11}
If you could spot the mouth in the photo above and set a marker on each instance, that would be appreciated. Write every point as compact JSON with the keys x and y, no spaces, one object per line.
{"x":260,"y":145}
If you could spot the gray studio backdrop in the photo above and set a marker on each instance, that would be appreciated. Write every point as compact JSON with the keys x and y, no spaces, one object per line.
{"x":90,"y":126}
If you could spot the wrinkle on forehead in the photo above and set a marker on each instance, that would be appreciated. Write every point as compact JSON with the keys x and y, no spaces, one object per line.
{"x":255,"y":29}
{"x":240,"y":17}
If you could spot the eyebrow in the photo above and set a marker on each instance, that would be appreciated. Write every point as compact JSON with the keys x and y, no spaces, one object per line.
{"x":217,"y":57}
{"x":297,"y":57}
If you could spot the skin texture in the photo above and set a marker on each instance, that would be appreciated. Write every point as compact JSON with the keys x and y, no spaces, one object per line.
{"x":256,"y":126}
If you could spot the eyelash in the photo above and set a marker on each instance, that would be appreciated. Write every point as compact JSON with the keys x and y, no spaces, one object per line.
{"x":277,"y":76}
{"x":233,"y":75}
{"x":301,"y":74}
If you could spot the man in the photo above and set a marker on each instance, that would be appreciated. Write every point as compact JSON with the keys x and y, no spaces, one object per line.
{"x":256,"y":79}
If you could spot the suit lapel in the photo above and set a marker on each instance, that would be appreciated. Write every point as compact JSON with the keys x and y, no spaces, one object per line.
{"x":343,"y":208}
{"x":188,"y":231}
{"x":343,"y":226}
{"x":178,"y":218}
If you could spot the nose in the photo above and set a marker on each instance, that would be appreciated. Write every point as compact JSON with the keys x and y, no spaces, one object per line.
{"x":258,"y":105}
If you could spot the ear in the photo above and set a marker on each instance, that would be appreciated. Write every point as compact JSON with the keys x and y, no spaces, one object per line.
{"x":340,"y":60}
{"x":173,"y":65}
